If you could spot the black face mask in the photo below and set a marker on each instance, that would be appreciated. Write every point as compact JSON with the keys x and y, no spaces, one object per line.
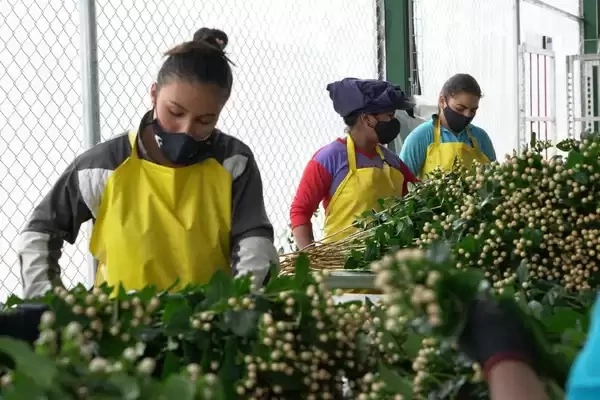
{"x":456,"y":121}
{"x":387,"y":131}
{"x":180,"y":148}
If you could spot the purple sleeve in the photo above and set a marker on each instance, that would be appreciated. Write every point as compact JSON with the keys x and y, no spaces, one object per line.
{"x":334,"y":158}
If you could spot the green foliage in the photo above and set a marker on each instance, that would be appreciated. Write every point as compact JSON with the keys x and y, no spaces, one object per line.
{"x":524,"y":231}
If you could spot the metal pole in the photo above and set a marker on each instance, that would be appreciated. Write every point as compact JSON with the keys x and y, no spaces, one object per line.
{"x":380,"y":37}
{"x":89,"y":92}
{"x":517,"y":72}
{"x":89,"y":74}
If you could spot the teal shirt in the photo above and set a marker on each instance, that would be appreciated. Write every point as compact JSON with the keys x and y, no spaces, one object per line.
{"x":414,"y":148}
{"x":584,"y":377}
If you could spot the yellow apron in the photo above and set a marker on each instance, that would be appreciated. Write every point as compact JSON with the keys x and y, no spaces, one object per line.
{"x":357,"y":193}
{"x":443,"y":155}
{"x":157,"y":224}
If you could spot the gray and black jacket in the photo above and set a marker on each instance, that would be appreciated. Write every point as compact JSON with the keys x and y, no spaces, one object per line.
{"x":76,"y":196}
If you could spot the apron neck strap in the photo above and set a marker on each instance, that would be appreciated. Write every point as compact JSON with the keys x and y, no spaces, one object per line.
{"x":437,"y":131}
{"x":133,"y":138}
{"x":351,"y":149}
{"x":351,"y":153}
{"x":472,"y":138}
{"x":380,"y":152}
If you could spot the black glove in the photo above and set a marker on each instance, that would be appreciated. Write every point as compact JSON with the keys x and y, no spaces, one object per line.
{"x":22,"y":322}
{"x":492,"y":335}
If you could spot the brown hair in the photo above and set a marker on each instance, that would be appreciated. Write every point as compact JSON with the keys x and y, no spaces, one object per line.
{"x":200,"y":60}
{"x":461,"y":83}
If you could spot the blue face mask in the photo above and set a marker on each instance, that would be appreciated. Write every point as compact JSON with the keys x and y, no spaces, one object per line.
{"x":180,"y":148}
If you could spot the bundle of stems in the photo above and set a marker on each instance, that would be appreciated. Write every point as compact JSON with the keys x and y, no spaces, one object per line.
{"x":326,"y":255}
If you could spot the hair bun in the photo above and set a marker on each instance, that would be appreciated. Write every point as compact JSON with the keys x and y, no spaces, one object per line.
{"x":216,"y":37}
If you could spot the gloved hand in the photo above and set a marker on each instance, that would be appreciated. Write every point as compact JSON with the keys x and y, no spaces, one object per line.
{"x":22,"y":322}
{"x":492,"y":335}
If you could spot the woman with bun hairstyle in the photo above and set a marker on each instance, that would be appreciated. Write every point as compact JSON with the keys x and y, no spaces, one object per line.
{"x":172,"y":201}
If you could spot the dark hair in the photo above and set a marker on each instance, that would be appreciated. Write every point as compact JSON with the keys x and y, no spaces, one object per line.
{"x":351,"y":119}
{"x":201,"y":60}
{"x":213,"y":36}
{"x":461,"y":83}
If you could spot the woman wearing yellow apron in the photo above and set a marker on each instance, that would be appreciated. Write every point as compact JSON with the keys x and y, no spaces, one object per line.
{"x":449,"y":136}
{"x":173,"y":201}
{"x":350,"y":174}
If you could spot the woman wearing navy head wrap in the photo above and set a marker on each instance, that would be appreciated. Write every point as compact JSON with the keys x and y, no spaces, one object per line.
{"x":351,"y":174}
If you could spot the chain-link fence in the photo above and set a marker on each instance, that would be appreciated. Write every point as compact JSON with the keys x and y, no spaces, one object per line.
{"x":285,"y":53}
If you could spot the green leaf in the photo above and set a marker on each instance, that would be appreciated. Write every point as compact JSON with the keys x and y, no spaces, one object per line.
{"x":44,"y":373}
{"x":228,"y":372}
{"x":122,"y":293}
{"x":562,"y":319}
{"x":551,"y":296}
{"x":399,"y":227}
{"x":176,"y":317}
{"x":468,"y":244}
{"x":412,"y":345}
{"x":535,"y":235}
{"x":439,"y":252}
{"x":147,"y":293}
{"x":171,"y":365}
{"x":351,"y":263}
{"x":242,"y":284}
{"x":302,"y":269}
{"x":242,"y":323}
{"x":522,"y":272}
{"x":128,"y":386}
{"x":536,"y":308}
{"x":179,"y":388}
{"x":394,"y":383}
{"x":12,"y":301}
{"x":281,"y":284}
{"x":565,"y":145}
{"x":219,"y":288}
{"x":581,"y":177}
{"x":372,"y":250}
{"x":573,"y":159}
{"x":23,"y":388}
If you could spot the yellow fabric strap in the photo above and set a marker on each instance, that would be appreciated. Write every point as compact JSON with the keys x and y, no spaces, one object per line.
{"x":351,"y":153}
{"x":351,"y":149}
{"x":472,"y":139}
{"x":132,"y":136}
{"x":437,"y":136}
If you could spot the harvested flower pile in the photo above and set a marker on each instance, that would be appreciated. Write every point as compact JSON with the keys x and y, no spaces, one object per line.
{"x":525,"y":232}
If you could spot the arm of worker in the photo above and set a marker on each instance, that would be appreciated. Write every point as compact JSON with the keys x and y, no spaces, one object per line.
{"x":252,"y":238}
{"x":56,"y":219}
{"x":515,"y":380}
{"x":314,"y":186}
{"x":414,"y":148}
{"x":485,"y":144}
{"x":73,"y":200}
{"x":501,"y":345}
{"x":584,"y":377}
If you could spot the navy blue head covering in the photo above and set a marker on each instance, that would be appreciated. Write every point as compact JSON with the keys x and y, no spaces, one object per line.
{"x":368,"y":96}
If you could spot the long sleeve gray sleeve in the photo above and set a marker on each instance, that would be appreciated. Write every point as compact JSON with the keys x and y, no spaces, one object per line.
{"x":56,"y":219}
{"x":72,"y":201}
{"x":252,"y":235}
